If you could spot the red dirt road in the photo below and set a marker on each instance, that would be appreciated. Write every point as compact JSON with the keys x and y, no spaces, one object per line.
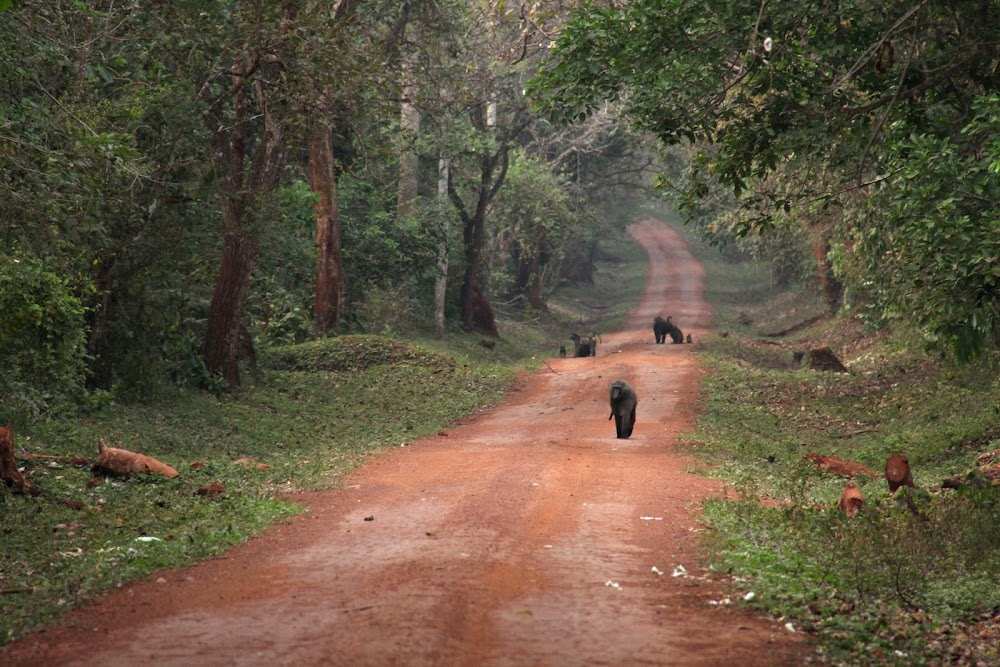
{"x":525,"y":537}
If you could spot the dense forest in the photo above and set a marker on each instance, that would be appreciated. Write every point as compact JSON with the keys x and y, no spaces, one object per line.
{"x":186,"y":182}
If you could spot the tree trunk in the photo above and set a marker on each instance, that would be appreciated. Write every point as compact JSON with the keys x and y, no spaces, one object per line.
{"x":247,"y":180}
{"x":535,"y":284}
{"x":528,"y":258}
{"x":476,"y":311}
{"x":409,"y":161}
{"x":329,"y":288}
{"x":828,"y":282}
{"x":222,"y":339}
{"x":441,"y":285}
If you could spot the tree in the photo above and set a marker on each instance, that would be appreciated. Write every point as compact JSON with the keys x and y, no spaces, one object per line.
{"x":328,"y":290}
{"x":538,"y":227}
{"x":249,"y":154}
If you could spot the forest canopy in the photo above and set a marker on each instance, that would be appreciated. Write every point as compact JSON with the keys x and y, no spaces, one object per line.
{"x":870,"y":126}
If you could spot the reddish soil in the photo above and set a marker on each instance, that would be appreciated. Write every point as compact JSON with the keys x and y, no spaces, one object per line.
{"x":524,"y":537}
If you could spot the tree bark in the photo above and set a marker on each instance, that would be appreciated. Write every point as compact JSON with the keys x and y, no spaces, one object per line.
{"x":476,"y":312}
{"x":329,"y":287}
{"x":222,"y":340}
{"x":246,"y":182}
{"x":441,"y":285}
{"x":828,"y":282}
{"x":409,"y":160}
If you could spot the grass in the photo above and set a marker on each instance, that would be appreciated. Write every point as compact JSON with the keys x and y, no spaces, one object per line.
{"x":888,"y":586}
{"x":312,"y":412}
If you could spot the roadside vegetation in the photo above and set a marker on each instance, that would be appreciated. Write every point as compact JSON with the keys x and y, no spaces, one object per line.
{"x":895,"y":584}
{"x":311,"y":412}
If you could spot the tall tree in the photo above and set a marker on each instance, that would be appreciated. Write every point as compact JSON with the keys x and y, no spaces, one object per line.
{"x":328,"y":290}
{"x":249,"y":153}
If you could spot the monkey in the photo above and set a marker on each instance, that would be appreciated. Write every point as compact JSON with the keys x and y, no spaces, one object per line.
{"x":797,"y":357}
{"x":581,"y":345}
{"x":562,"y":351}
{"x":593,"y":344}
{"x":660,"y":329}
{"x":676,"y":335}
{"x":688,"y":339}
{"x":723,"y":334}
{"x":623,"y":402}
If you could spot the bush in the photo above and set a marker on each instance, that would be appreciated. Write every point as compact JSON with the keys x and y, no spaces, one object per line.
{"x":42,"y":340}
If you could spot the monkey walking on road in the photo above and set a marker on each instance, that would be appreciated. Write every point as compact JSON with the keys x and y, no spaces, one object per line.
{"x":623,"y":402}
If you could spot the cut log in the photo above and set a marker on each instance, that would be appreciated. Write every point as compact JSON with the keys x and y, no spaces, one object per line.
{"x":121,"y":462}
{"x":9,"y":473}
{"x":851,"y":500}
{"x":897,"y":472}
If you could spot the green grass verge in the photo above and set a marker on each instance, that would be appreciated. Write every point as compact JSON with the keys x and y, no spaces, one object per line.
{"x":889,"y":586}
{"x":312,"y":412}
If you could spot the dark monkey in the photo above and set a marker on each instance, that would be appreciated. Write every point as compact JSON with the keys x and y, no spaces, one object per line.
{"x":562,"y":351}
{"x":675,"y":332}
{"x":660,"y":329}
{"x":623,"y":402}
{"x":593,"y":344}
{"x":581,"y":346}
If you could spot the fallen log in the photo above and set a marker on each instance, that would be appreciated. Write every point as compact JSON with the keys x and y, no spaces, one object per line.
{"x":122,"y":462}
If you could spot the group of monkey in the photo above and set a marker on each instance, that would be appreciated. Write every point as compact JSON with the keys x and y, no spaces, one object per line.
{"x":586,"y":346}
{"x":665,"y":327}
{"x":623,"y":397}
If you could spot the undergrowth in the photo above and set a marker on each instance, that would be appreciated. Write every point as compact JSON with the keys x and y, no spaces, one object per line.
{"x":898,"y":583}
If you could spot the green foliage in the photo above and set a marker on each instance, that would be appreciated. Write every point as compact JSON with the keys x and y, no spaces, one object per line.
{"x":380,"y":249}
{"x":807,"y":110}
{"x":42,"y":340}
{"x":933,"y":254}
{"x":539,"y":224}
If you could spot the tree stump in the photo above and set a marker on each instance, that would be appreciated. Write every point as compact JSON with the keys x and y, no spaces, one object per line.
{"x":897,"y":472}
{"x":851,"y":500}
{"x":8,"y":465}
{"x":823,"y":359}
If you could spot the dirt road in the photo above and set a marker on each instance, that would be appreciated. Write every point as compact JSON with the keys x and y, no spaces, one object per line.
{"x":525,"y":537}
